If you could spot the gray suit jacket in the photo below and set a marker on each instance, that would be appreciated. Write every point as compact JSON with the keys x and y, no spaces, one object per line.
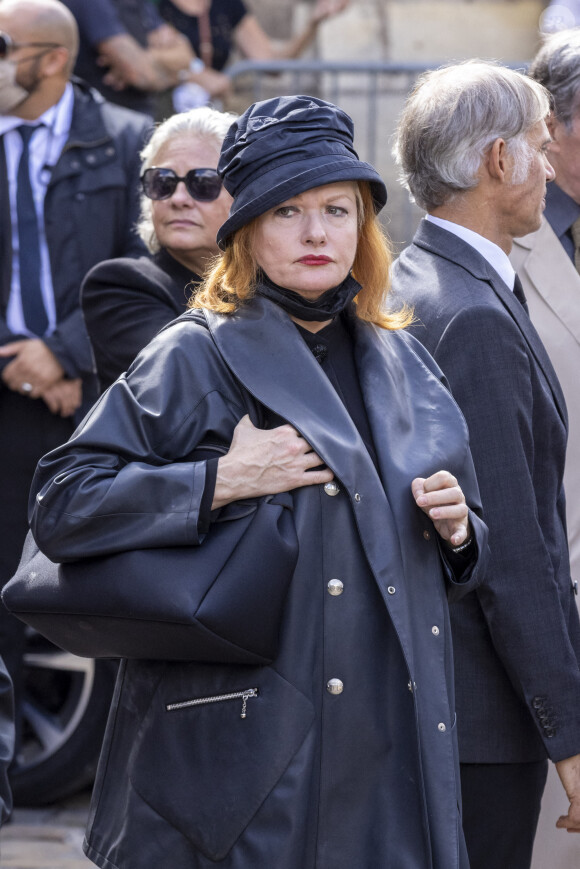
{"x":517,"y":639}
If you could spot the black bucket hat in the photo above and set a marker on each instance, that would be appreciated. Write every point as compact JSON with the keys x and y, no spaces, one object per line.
{"x":282,"y":147}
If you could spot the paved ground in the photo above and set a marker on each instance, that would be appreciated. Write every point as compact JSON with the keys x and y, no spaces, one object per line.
{"x":48,"y":838}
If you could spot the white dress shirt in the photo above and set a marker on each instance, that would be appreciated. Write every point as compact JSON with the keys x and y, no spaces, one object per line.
{"x":495,"y":256}
{"x":45,"y":148}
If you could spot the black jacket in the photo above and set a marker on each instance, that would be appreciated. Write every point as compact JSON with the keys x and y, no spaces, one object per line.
{"x":91,"y":207}
{"x":308,"y":779}
{"x":6,"y":740}
{"x":126,"y":302}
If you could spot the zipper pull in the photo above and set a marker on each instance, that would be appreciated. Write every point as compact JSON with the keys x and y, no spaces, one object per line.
{"x":252,"y":692}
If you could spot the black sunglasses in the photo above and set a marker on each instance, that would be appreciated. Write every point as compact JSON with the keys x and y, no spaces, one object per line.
{"x":202,"y":184}
{"x":7,"y":45}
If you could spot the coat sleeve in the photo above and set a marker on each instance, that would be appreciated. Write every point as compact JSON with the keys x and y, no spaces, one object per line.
{"x":526,"y":607}
{"x":133,"y":475}
{"x":462,"y":574}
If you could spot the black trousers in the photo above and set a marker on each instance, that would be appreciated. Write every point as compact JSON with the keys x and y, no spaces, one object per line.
{"x":501,"y":806}
{"x":28,"y":430}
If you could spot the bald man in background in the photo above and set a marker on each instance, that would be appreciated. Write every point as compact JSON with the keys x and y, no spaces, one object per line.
{"x":69,"y":170}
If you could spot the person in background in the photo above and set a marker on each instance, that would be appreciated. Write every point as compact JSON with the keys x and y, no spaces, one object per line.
{"x":473,"y":146}
{"x":183,"y":204}
{"x":548,"y":259}
{"x":69,"y":175}
{"x":215,"y":27}
{"x":127,"y":51}
{"x":344,"y":753}
{"x":547,"y":262}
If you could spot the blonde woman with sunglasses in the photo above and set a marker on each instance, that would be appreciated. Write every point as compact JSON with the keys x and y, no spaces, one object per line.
{"x":183,"y":203}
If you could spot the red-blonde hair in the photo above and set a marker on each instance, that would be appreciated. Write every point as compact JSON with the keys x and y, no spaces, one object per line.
{"x":232,"y":279}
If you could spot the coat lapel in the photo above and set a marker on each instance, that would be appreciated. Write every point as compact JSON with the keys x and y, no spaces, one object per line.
{"x":546,"y":256}
{"x":449,"y":246}
{"x":265,"y":352}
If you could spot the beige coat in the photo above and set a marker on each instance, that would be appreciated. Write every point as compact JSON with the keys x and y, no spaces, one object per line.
{"x":552,"y":286}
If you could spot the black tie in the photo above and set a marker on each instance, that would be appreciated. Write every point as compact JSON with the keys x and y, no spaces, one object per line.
{"x":29,"y":243}
{"x":520,"y":295}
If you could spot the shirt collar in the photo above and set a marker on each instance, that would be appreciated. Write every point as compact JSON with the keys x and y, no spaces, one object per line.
{"x":561,"y":210}
{"x":492,"y":253}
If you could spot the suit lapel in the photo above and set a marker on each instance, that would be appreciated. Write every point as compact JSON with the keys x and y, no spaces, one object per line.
{"x":449,"y":246}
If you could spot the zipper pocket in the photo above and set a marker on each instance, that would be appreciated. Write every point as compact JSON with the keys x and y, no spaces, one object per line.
{"x":218,"y":698}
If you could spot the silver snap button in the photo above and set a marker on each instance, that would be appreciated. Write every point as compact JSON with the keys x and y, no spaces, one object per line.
{"x":391,"y":589}
{"x":335,"y":587}
{"x":441,"y":728}
{"x":426,"y":535}
{"x":334,"y":686}
{"x":435,"y":631}
{"x":357,"y":497}
{"x":332,"y":488}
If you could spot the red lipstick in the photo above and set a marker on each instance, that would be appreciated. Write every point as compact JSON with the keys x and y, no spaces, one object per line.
{"x":312,"y":260}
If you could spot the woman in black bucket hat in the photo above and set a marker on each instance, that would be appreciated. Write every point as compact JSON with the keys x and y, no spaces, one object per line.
{"x":339,"y":751}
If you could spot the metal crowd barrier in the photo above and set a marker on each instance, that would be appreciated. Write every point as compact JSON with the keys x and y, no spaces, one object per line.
{"x":331,"y":80}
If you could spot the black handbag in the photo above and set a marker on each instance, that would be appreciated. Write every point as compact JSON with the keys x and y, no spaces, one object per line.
{"x":220,"y":601}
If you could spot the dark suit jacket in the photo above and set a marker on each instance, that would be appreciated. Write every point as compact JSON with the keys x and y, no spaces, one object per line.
{"x":91,"y":207}
{"x":126,"y":302}
{"x":517,"y":639}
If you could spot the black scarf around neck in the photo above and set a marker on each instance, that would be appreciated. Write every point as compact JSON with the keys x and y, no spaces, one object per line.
{"x":327,"y":306}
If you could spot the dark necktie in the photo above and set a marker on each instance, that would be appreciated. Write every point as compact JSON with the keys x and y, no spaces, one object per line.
{"x":520,"y":295}
{"x":575,"y":233}
{"x":29,"y":243}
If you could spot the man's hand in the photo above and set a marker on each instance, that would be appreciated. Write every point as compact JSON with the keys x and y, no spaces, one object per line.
{"x":34,"y":366}
{"x":64,"y":397}
{"x":217,"y":84}
{"x":266,"y":462}
{"x":441,"y":498}
{"x":569,"y":772}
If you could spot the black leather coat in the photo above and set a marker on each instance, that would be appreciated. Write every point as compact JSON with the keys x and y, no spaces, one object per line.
{"x":308,"y":779}
{"x":6,"y":740}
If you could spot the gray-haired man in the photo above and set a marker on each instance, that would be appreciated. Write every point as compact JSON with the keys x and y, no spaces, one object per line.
{"x":472,"y":144}
{"x":548,"y":259}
